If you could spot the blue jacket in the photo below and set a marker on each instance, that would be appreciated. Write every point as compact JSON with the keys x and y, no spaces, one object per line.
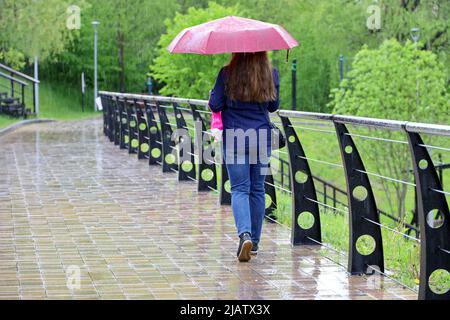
{"x":243,"y":115}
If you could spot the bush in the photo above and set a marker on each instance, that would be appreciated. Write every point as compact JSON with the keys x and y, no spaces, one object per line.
{"x":383,"y":84}
{"x":188,"y":75}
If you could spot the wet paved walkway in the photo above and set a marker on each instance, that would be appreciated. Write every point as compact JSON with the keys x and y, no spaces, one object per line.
{"x":71,"y":199}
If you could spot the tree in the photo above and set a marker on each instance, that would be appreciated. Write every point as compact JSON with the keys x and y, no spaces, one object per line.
{"x":383,"y":84}
{"x":324,"y":29}
{"x":186,"y":4}
{"x":127,"y":37}
{"x":137,"y":26}
{"x":431,"y":16}
{"x":15,"y":59}
{"x":188,"y":75}
{"x":34,"y":28}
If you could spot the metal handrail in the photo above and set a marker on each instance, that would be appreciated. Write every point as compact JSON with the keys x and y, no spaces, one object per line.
{"x":20,"y":74}
{"x":434,"y":129}
{"x":13,"y":79}
{"x":427,"y":128}
{"x":156,"y":98}
{"x":409,"y":126}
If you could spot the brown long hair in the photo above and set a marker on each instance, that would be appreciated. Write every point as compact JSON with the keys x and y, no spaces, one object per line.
{"x":249,"y":78}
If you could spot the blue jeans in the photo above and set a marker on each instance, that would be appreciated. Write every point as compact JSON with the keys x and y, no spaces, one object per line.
{"x":248,"y":196}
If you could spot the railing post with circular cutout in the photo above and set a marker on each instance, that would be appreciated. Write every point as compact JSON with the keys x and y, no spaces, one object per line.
{"x":207,"y":175}
{"x":362,"y":210}
{"x":143,"y":139}
{"x":133,"y":142}
{"x":124,"y":134}
{"x":154,"y":135}
{"x":186,"y":167}
{"x":303,"y":191}
{"x":434,"y":221}
{"x":225,"y":186}
{"x":117,"y":119}
{"x":111,"y":118}
{"x":271,"y":196}
{"x":169,"y":154}
{"x":105,"y":112}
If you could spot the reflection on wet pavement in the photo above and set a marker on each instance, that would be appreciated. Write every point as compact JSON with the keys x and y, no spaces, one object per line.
{"x":73,"y":203}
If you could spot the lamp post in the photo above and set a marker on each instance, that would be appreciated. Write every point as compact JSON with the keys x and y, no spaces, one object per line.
{"x":36,"y":86}
{"x":294,"y":84}
{"x":149,"y":85}
{"x":95,"y":24}
{"x":415,"y":35}
{"x":341,"y":67}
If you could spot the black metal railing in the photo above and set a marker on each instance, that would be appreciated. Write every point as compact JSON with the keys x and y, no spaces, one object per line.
{"x":18,"y":86}
{"x":9,"y":103}
{"x":364,"y":217}
{"x":147,"y":126}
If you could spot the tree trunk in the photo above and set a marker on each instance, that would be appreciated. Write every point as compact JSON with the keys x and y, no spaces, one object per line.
{"x":121,"y":47}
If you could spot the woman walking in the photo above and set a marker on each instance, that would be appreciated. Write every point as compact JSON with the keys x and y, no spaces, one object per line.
{"x":246,"y":90}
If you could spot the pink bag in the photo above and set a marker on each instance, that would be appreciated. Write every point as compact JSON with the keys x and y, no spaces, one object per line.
{"x":216,"y":121}
{"x":216,"y":126}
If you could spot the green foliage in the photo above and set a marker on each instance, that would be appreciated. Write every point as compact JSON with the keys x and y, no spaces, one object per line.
{"x":189,"y":75}
{"x":13,"y":58}
{"x":431,"y":16}
{"x":394,"y":82}
{"x":326,"y":29}
{"x":186,"y":4}
{"x":140,"y":24}
{"x":35,"y":28}
{"x":322,"y":29}
{"x":383,"y":83}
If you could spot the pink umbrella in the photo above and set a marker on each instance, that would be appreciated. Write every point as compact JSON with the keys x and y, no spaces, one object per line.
{"x":232,"y":34}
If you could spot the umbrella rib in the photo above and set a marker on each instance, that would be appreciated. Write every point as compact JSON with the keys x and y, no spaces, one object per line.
{"x":284,"y":34}
{"x":178,"y":41}
{"x":207,"y":41}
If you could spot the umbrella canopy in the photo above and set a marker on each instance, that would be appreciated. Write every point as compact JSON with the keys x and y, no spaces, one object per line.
{"x":232,"y":34}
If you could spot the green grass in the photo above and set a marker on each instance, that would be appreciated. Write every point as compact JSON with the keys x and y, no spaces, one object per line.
{"x":57,"y":101}
{"x":401,"y":256}
{"x":60,"y":102}
{"x":6,"y":121}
